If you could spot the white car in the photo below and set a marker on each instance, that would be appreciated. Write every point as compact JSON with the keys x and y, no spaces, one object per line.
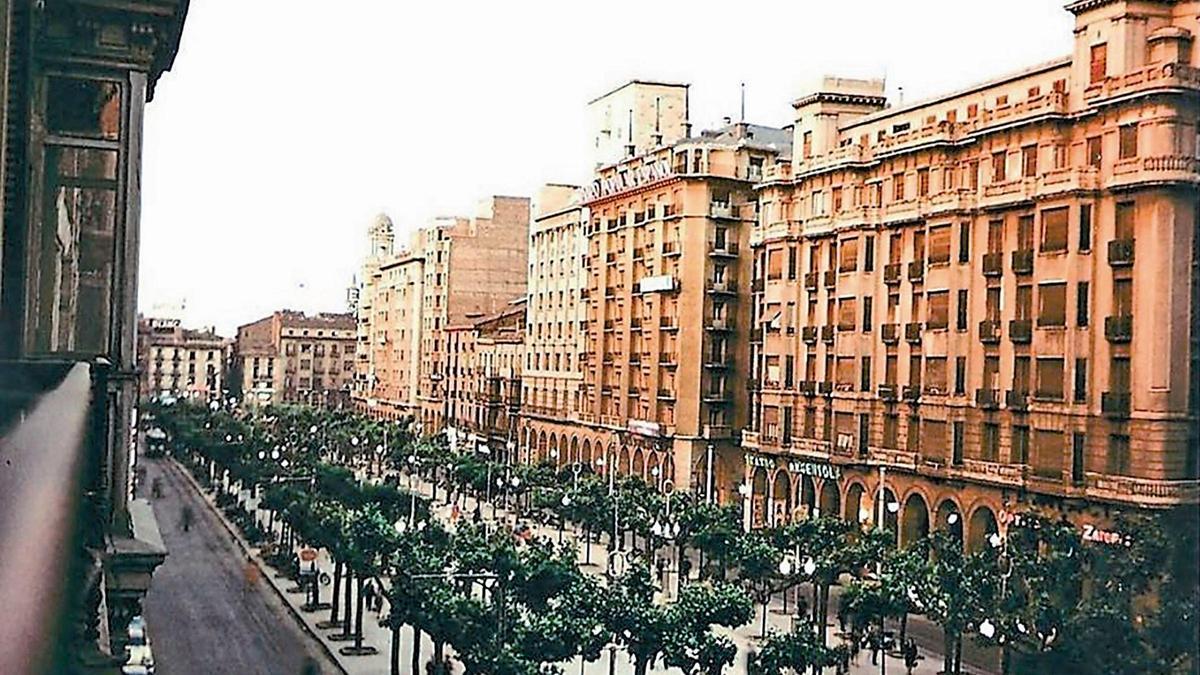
{"x":141,"y":658}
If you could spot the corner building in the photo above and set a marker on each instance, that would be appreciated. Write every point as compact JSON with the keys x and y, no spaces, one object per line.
{"x":668,"y":308}
{"x":987,"y":300}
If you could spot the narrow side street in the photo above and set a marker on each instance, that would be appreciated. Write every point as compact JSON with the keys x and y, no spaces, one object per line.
{"x":201,"y":616}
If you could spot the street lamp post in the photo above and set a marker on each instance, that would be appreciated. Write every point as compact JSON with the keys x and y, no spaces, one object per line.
{"x":744,"y":490}
{"x":562,"y":517}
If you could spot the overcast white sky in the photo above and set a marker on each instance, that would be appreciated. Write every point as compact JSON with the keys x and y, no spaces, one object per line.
{"x":286,"y":125}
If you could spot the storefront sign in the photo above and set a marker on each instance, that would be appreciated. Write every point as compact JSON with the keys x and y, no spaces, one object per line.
{"x":651,"y":172}
{"x":815,"y":469}
{"x":644,"y":428}
{"x":759,"y":461}
{"x":1093,"y":533}
{"x":658,"y":284}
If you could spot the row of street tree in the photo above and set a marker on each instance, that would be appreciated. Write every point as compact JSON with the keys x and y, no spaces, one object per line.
{"x":1048,"y":600}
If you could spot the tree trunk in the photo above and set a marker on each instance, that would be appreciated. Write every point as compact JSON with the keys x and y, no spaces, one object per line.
{"x":395,"y":653}
{"x":640,"y":666}
{"x":416,"y":650}
{"x":347,"y":613}
{"x":824,"y":612}
{"x":1005,"y":659}
{"x":766,"y":601}
{"x":337,"y":582}
{"x":958,"y":642}
{"x":904,"y":628}
{"x":947,"y":651}
{"x":358,"y":619}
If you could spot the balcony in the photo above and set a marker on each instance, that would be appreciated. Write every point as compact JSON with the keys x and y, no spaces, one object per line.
{"x":988,"y":399}
{"x":668,"y":359}
{"x":1022,"y":262}
{"x":723,"y":249}
{"x":827,"y":333}
{"x":750,"y":439}
{"x":891,"y":274}
{"x":1118,"y":329}
{"x":1115,"y":404}
{"x":809,"y":334}
{"x":720,"y":210}
{"x":889,"y":392}
{"x":989,"y":332}
{"x":1145,"y":492}
{"x":911,"y":392}
{"x":890,"y":333}
{"x":916,"y":271}
{"x":724,"y":286}
{"x":808,"y":387}
{"x":719,"y":323}
{"x":666,"y":395}
{"x":671,"y":248}
{"x":716,"y":396}
{"x":1147,"y":78}
{"x":825,"y":388}
{"x":993,"y":264}
{"x":668,"y":323}
{"x":715,"y":361}
{"x":912,"y":332}
{"x":1020,"y":331}
{"x":830,"y":279}
{"x":718,"y":431}
{"x":757,"y":286}
{"x":1120,"y":252}
{"x":1016,"y":400}
{"x":812,"y":280}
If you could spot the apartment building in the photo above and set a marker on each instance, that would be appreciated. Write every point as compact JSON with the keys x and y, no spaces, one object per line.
{"x":453,"y":269}
{"x":484,"y":360}
{"x":553,"y":370}
{"x":668,"y":309}
{"x":986,"y":300}
{"x":291,"y":357}
{"x":180,"y":362}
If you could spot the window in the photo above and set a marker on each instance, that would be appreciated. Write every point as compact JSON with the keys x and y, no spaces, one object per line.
{"x":1029,"y":161}
{"x":1050,"y":378}
{"x":1060,"y":155}
{"x":1118,"y":455}
{"x":1127,"y":135}
{"x":973,"y":174}
{"x":1085,"y":227}
{"x":998,"y":161}
{"x":1099,"y":63}
{"x":989,"y":449}
{"x":891,"y":431}
{"x":938,"y":310}
{"x":912,"y":435}
{"x":964,"y":241}
{"x":1054,"y":229}
{"x":961,"y":318}
{"x":1078,"y":446}
{"x":848,"y":255}
{"x":939,"y":244}
{"x":807,"y":145}
{"x":1048,"y":453}
{"x":933,"y":440}
{"x":958,"y":431}
{"x":1052,"y":299}
{"x":791,"y":262}
{"x":922,"y":182}
{"x":847,"y":314}
{"x":845,"y":373}
{"x":837,"y":199}
{"x":1094,"y":152}
{"x":1125,"y":219}
{"x":898,"y":187}
{"x":935,"y":375}
{"x":869,"y":254}
{"x":868,"y":306}
{"x":960,"y":375}
{"x":995,"y":236}
{"x":865,"y":384}
{"x":1081,"y":303}
{"x":789,"y":371}
{"x":1020,"y":444}
{"x":1081,"y":375}
{"x":775,"y":264}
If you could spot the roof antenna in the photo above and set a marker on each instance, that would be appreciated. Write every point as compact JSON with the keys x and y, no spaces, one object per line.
{"x":657,"y":113}
{"x":743,"y":118}
{"x":900,"y":97}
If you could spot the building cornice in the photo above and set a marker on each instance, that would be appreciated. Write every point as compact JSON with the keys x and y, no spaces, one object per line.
{"x":845,"y":99}
{"x":1080,"y":6}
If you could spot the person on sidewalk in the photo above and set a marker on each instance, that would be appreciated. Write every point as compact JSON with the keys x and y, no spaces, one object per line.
{"x":250,"y":574}
{"x":186,"y":517}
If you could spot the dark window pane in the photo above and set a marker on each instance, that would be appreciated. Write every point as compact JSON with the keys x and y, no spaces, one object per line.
{"x":78,"y":107}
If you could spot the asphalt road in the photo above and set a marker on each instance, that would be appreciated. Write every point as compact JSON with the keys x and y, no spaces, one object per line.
{"x":200,"y":616}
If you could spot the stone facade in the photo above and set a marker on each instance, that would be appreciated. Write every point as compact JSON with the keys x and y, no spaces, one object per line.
{"x":291,"y":357}
{"x":947,"y":294}
{"x":483,"y":377}
{"x":181,"y":362}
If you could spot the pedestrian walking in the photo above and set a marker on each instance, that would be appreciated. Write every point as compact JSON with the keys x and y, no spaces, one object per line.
{"x":156,"y":487}
{"x":250,"y":574}
{"x":455,"y":513}
{"x":369,"y":593}
{"x":478,"y":515}
{"x":661,"y":566}
{"x":185,"y":517}
{"x":911,"y":656}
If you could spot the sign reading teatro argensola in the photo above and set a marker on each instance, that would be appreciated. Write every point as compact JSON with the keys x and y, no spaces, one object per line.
{"x":798,"y":467}
{"x":621,"y":181}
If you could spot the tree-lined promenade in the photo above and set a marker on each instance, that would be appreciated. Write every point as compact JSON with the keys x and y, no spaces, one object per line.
{"x":1049,"y":600}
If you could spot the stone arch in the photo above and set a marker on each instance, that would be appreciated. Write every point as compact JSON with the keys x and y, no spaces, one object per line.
{"x":623,"y":464}
{"x":758,"y":497}
{"x":586,"y":456}
{"x":831,"y":499}
{"x":552,"y":448}
{"x":949,"y":518}
{"x":781,"y":496}
{"x":806,"y":495}
{"x":853,"y":503}
{"x":541,"y":447}
{"x":638,"y":463}
{"x":891,"y":514}
{"x":915,"y":519}
{"x":573,"y":453}
{"x":981,"y":525}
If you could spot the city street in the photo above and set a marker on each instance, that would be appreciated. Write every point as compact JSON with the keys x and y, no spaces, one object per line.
{"x":200,"y":617}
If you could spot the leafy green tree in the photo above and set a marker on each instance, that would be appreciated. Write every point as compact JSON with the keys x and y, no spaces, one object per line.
{"x":796,"y":651}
